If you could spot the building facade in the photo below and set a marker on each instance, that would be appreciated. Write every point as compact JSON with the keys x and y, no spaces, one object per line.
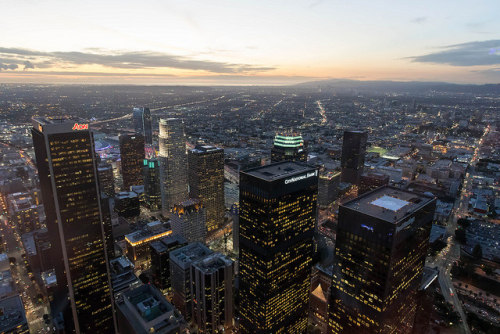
{"x":143,"y":123}
{"x":160,"y":259}
{"x":382,"y":241}
{"x":132,"y":157}
{"x":188,"y":219}
{"x":212,"y":288}
{"x":206,"y":182}
{"x":106,"y":179}
{"x":353,"y":156}
{"x":173,"y":163}
{"x":152,"y":185}
{"x":68,"y":179}
{"x":276,"y":224}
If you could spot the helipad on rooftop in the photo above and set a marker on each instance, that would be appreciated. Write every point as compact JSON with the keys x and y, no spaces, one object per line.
{"x":388,"y":203}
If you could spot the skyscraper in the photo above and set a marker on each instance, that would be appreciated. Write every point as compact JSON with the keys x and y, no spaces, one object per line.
{"x":106,"y":179}
{"x":173,"y":163}
{"x":288,"y":147}
{"x":142,"y":123}
{"x":276,"y":226}
{"x":382,"y":239}
{"x":152,"y":185}
{"x":160,"y":258}
{"x":212,"y":287}
{"x":132,"y":157}
{"x":181,"y":260}
{"x":353,"y":156}
{"x":206,"y":182}
{"x":68,"y":179}
{"x":188,"y":219}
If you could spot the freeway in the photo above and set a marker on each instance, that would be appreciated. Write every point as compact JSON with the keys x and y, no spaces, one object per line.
{"x":157,"y":110}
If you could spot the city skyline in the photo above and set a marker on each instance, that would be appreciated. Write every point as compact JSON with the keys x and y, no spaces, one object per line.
{"x":230,"y":43}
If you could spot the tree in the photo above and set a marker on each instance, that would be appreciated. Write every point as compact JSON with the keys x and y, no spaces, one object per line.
{"x":477,"y":252}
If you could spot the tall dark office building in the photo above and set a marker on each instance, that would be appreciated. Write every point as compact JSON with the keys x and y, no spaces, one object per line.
{"x":353,"y":156}
{"x":206,"y":182}
{"x":143,"y":124}
{"x":68,"y":179}
{"x":106,"y":179}
{"x":152,"y":185}
{"x":132,"y":157}
{"x":288,"y":147}
{"x":160,"y":258}
{"x":276,"y":226}
{"x":382,"y":240}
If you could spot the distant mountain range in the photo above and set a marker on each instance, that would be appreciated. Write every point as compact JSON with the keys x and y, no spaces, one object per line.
{"x":401,"y":86}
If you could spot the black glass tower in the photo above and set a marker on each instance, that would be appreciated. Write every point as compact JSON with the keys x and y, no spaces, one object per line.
{"x":380,"y":250}
{"x":353,"y":156}
{"x":132,"y":157}
{"x":277,"y":219}
{"x":68,"y":179}
{"x":152,"y":185}
{"x":143,"y":124}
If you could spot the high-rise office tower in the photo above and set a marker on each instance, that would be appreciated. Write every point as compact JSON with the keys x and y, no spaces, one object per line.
{"x":288,"y":147}
{"x":206,"y":182}
{"x":68,"y":179}
{"x":143,"y":123}
{"x":353,"y":156}
{"x":382,"y":240}
{"x":152,"y":185}
{"x":181,"y":260}
{"x":276,"y":225}
{"x":188,"y":219}
{"x":106,"y":179}
{"x":160,"y":258}
{"x":173,"y":164}
{"x":132,"y":157}
{"x":212,"y":287}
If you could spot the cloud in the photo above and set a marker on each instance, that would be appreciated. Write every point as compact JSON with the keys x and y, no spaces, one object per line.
{"x":27,"y":64}
{"x":8,"y":66}
{"x":419,"y":20}
{"x":475,"y":53}
{"x":125,"y":60}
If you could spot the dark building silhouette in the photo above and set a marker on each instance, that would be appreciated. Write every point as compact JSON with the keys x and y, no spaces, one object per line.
{"x":143,"y":123}
{"x":288,"y":147}
{"x":276,"y":224}
{"x":160,"y":259}
{"x":206,"y":182}
{"x":152,"y":185}
{"x":67,"y":170}
{"x":382,"y":240}
{"x":132,"y":157}
{"x":106,"y":179}
{"x":353,"y":156}
{"x":370,"y":181}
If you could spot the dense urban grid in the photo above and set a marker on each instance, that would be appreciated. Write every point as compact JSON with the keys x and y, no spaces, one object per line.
{"x":326,"y":207}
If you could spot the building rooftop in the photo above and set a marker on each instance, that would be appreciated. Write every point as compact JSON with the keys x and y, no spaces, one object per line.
{"x":152,"y":231}
{"x":205,"y":149}
{"x":281,"y":170}
{"x":212,"y":263}
{"x":163,"y":244}
{"x":147,"y":311}
{"x":388,"y":203}
{"x":12,"y":314}
{"x":186,"y":255}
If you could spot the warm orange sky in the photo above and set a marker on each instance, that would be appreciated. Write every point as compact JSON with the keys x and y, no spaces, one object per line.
{"x":249,"y":42}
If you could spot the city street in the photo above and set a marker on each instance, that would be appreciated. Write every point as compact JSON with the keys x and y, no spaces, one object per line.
{"x":444,"y":261}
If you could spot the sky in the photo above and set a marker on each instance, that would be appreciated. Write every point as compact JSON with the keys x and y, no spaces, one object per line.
{"x":248,"y":42}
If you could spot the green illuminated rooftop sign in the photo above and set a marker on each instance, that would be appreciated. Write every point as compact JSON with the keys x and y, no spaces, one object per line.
{"x":285,"y":141}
